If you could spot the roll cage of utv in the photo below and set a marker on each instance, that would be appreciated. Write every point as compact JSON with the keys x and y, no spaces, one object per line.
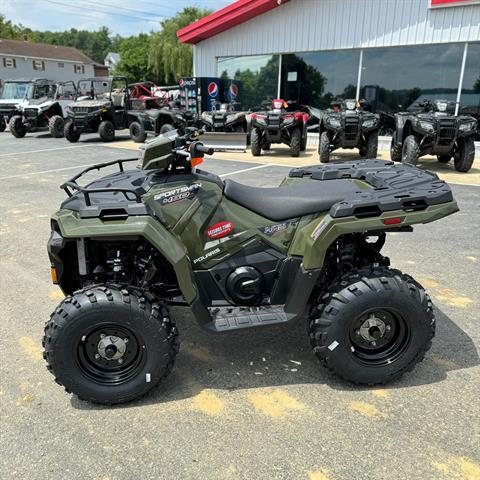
{"x":45,"y":109}
{"x":99,"y":107}
{"x":348,"y":124}
{"x":432,"y":128}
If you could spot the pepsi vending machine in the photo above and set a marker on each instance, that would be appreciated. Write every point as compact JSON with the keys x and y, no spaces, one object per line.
{"x":200,"y":94}
{"x":231,"y":93}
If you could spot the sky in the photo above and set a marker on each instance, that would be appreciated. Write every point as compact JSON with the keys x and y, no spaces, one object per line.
{"x":124,"y":17}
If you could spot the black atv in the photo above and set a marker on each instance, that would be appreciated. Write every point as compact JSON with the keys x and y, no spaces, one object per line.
{"x":278,"y":125}
{"x":348,"y":125}
{"x":432,"y":130}
{"x":225,"y":119}
{"x":102,"y":105}
{"x":44,"y":109}
{"x":159,"y":121}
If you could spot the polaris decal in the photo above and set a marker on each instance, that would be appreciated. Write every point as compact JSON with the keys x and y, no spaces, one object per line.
{"x":207,"y":255}
{"x":277,"y":227}
{"x":219,"y":230}
{"x":177,"y":194}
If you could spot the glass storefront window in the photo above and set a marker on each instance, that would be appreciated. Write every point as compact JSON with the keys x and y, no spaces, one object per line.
{"x":470,"y":99}
{"x":396,"y":78}
{"x":318,"y":78}
{"x":257,"y":76}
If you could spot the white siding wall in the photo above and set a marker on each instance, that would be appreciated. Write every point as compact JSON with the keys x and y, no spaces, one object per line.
{"x":52,"y":71}
{"x":305,"y":25}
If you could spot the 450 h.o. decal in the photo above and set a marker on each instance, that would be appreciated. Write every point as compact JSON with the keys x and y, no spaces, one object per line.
{"x":177,"y":194}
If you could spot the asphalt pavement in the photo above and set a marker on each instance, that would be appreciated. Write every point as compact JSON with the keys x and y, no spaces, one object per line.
{"x":253,"y":404}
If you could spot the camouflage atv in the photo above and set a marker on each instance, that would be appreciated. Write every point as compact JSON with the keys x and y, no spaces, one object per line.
{"x":129,"y":245}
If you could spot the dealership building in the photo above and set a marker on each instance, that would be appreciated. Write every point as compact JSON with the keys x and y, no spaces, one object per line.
{"x":393,"y":52}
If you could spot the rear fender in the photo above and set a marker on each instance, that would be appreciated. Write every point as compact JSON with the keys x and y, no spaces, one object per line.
{"x":313,"y":240}
{"x":74,"y":227}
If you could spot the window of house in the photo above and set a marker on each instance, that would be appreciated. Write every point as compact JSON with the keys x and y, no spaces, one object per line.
{"x":9,"y":62}
{"x":61,"y":64}
{"x":38,"y":65}
{"x":79,"y":68}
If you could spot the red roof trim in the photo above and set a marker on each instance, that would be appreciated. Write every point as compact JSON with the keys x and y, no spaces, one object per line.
{"x":221,"y":20}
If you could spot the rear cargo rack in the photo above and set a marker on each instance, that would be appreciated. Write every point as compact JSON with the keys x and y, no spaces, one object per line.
{"x":393,"y":187}
{"x":71,"y":185}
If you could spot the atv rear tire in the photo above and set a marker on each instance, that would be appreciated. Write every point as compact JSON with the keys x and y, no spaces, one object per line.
{"x":106,"y":130}
{"x":465,"y":154}
{"x":166,"y":127}
{"x":444,"y":158}
{"x":296,"y":142}
{"x":110,"y":345}
{"x":395,"y":152}
{"x":372,"y":145}
{"x":324,"y":147}
{"x":3,"y":125}
{"x":56,"y":124}
{"x":16,"y":126}
{"x":410,"y":150}
{"x":265,"y":145}
{"x":256,"y":142}
{"x":137,"y":132}
{"x":372,"y":326}
{"x":70,"y":132}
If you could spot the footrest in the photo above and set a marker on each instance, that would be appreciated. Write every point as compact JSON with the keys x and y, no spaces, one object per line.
{"x":234,"y":318}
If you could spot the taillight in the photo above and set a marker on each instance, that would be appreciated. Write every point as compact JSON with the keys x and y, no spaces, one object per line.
{"x":392,"y":221}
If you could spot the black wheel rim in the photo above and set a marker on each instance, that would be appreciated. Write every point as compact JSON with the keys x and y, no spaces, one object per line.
{"x":379,"y":337}
{"x":110,"y":366}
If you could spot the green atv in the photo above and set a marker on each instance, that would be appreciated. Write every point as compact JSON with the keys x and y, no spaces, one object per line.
{"x":128,"y":246}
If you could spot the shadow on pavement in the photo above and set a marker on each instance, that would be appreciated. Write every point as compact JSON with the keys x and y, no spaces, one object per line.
{"x":276,"y":356}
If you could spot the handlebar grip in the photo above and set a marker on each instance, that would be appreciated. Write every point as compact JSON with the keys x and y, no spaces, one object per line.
{"x":200,"y":148}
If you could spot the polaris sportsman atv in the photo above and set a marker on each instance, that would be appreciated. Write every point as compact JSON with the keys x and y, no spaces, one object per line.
{"x":128,"y":246}
{"x":434,"y":131}
{"x":45,"y":109}
{"x":159,"y":120}
{"x":15,"y":94}
{"x":225,"y":119}
{"x":278,"y":126}
{"x":348,"y":126}
{"x":102,"y":105}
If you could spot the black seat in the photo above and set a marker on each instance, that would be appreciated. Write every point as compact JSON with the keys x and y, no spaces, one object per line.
{"x":290,"y":201}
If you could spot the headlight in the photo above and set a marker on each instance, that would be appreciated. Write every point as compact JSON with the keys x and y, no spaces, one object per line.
{"x":428,"y":127}
{"x":465,"y":127}
{"x":334,"y":122}
{"x":288,"y":120}
{"x":371,"y":122}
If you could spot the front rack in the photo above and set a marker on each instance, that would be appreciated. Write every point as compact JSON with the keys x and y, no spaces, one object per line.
{"x":71,"y":185}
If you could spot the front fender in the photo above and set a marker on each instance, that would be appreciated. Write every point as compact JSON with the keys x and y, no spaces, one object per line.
{"x":73,"y":227}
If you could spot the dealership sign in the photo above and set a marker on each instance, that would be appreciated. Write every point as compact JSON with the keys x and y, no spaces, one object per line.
{"x":452,"y":3}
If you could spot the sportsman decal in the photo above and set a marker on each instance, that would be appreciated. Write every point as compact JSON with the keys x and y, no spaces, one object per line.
{"x":177,"y":194}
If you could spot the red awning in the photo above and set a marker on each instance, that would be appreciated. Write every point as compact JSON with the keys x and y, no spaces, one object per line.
{"x":221,"y":20}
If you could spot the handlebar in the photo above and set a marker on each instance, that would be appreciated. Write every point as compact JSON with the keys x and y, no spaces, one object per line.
{"x":198,"y":147}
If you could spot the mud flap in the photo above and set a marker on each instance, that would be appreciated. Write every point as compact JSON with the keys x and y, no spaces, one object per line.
{"x":225,"y":140}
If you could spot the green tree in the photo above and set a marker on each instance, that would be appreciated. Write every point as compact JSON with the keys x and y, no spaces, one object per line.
{"x":476,"y":85}
{"x":9,"y":29}
{"x":134,"y":58}
{"x":169,"y":59}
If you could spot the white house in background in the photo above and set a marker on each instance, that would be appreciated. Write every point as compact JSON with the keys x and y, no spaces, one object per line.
{"x":24,"y":59}
{"x":111,"y":60}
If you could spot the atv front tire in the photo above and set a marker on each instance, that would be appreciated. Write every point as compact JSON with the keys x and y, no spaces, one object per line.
{"x":372,"y":145}
{"x":166,"y":127}
{"x":372,"y":326}
{"x":410,"y":150}
{"x":296,"y":142}
{"x":395,"y":152}
{"x":256,"y":142}
{"x":110,"y":345}
{"x":304,"y":143}
{"x":106,"y":130}
{"x":70,"y":132}
{"x":465,"y":154}
{"x":137,"y":132}
{"x":3,"y":125}
{"x":324,"y":147}
{"x":265,"y":145}
{"x":56,"y":124}
{"x":17,"y":127}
